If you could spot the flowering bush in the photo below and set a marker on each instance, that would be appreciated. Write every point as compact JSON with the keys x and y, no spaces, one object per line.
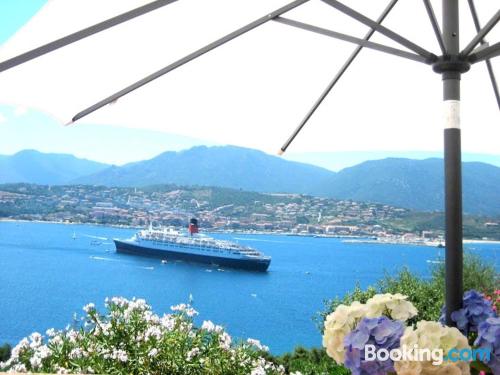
{"x":489,"y":338}
{"x":345,"y":319}
{"x":381,"y":323}
{"x":131,"y":339}
{"x":495,"y":300}
{"x":476,"y":309}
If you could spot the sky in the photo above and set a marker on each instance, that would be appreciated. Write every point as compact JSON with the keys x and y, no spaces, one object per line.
{"x":251,"y":92}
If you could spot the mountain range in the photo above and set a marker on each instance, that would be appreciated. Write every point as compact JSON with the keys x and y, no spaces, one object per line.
{"x":47,"y":169}
{"x":415,"y":184}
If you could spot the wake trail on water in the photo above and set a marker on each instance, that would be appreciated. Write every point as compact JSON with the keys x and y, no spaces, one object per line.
{"x":104,"y":259}
{"x":96,"y":237}
{"x":258,"y":240}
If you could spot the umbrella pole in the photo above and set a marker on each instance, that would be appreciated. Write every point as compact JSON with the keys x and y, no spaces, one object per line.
{"x":453,"y":164}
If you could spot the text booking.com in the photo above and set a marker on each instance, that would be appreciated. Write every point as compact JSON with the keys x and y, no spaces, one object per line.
{"x":436,"y":356}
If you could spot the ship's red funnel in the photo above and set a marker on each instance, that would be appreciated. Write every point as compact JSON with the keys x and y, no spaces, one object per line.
{"x":193,"y":226}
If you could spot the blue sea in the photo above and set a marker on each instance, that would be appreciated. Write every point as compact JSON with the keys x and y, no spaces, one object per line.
{"x":49,"y":271}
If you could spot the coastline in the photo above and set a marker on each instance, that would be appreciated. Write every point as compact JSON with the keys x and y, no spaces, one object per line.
{"x":349,"y":238}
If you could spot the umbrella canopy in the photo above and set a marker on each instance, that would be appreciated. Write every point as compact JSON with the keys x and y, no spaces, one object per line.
{"x":253,"y":90}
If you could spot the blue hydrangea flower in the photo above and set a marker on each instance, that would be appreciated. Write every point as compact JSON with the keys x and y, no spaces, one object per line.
{"x":383,"y":333}
{"x":489,"y":338}
{"x":476,"y":309}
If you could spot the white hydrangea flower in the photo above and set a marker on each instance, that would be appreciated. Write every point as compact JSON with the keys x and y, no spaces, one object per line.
{"x":395,"y":306}
{"x":153,"y":353}
{"x":433,"y":336}
{"x":337,"y":325}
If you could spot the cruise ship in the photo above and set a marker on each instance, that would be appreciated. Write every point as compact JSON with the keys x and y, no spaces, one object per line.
{"x":192,"y":246}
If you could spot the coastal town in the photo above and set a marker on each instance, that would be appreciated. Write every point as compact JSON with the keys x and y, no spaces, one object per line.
{"x":217,"y":209}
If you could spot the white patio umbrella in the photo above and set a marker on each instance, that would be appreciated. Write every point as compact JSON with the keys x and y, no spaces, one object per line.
{"x":250,"y":92}
{"x":255,"y":89}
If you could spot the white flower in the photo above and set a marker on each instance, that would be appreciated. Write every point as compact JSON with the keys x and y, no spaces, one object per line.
{"x":36,"y":340}
{"x":43,"y":351}
{"x":192,"y":353}
{"x":56,"y":340}
{"x":225,"y":341}
{"x":394,"y":305}
{"x":19,"y":348}
{"x":76,"y":353}
{"x":120,"y":355}
{"x":153,"y":353}
{"x":168,"y":322}
{"x":191,"y":312}
{"x":19,"y":368}
{"x":51,"y":332}
{"x":211,"y":327}
{"x":89,"y":307}
{"x":180,"y":307}
{"x":258,"y":371}
{"x":433,"y":336}
{"x":337,"y":325}
{"x":257,"y":344}
{"x":72,"y":336}
{"x":35,"y":362}
{"x":151,"y":332}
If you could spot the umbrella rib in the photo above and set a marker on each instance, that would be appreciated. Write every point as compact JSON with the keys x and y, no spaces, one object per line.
{"x":481,"y":34}
{"x":84,"y":33}
{"x":209,"y":47}
{"x":435,"y":25}
{"x":337,"y":77}
{"x":485,"y":53}
{"x":351,"y":39}
{"x":381,"y":29}
{"x":491,"y":73}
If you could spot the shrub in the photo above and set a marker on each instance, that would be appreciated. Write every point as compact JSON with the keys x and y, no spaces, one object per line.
{"x":5,"y":352}
{"x":308,"y":362}
{"x":131,"y":339}
{"x":426,"y":294}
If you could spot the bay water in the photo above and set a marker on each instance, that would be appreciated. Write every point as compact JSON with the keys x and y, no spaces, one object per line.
{"x":50,"y":271}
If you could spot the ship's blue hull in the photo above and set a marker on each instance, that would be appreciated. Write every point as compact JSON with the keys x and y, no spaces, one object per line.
{"x":247,"y":264}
